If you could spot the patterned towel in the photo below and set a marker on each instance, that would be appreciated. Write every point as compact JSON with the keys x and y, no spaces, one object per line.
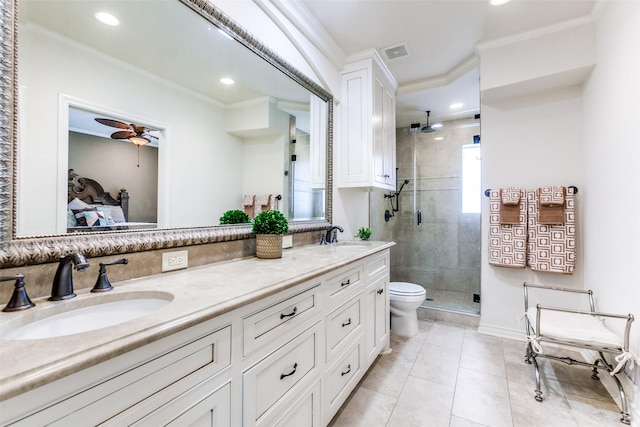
{"x":510,"y":196}
{"x":551,"y":248}
{"x":552,"y":196}
{"x":263,"y":203}
{"x":550,"y":205}
{"x":507,"y":242}
{"x":510,"y":205}
{"x":247,"y":205}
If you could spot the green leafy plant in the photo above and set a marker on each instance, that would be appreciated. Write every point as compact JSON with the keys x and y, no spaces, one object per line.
{"x":235,"y":216}
{"x":270,"y":222}
{"x":364,"y":233}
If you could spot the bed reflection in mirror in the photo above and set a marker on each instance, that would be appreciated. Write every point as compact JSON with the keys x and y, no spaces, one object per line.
{"x":216,"y":142}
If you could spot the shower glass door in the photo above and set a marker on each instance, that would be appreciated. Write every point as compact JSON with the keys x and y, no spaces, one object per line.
{"x":438,"y":241}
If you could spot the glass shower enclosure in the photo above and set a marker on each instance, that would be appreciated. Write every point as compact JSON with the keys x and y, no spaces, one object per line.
{"x":437,"y":224}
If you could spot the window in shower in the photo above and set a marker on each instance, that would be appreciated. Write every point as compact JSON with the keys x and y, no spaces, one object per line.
{"x":471,"y":192}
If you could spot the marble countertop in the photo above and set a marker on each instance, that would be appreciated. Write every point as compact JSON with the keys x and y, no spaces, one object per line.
{"x":198,"y":294}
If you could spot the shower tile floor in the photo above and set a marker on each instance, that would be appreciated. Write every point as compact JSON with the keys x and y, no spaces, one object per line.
{"x":452,"y":376}
{"x":451,"y":300}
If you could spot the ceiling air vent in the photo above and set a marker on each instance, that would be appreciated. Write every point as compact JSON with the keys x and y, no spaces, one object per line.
{"x":395,"y":52}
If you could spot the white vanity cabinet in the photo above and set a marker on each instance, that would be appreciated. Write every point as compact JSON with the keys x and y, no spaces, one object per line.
{"x":179,"y":376}
{"x":367,"y":155}
{"x":288,"y":359}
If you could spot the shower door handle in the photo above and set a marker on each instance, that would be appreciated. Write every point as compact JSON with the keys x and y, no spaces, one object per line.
{"x":419,"y":217}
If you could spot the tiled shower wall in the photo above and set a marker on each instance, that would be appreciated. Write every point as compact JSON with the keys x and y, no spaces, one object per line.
{"x":443,"y":253}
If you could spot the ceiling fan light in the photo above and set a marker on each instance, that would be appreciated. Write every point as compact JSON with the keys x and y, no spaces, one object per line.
{"x":139,"y":140}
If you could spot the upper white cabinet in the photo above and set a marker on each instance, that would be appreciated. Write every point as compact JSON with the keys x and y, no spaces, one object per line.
{"x":367,"y":154}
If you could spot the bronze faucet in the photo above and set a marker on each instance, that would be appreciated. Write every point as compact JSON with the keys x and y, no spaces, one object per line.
{"x":63,"y":282}
{"x":19,"y":299}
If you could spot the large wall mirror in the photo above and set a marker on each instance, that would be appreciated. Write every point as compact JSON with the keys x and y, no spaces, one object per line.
{"x":161,"y":78}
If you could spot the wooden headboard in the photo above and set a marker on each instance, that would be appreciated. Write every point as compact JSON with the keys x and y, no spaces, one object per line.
{"x":91,"y":192}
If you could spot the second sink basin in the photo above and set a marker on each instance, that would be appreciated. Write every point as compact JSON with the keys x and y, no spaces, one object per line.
{"x":77,"y":319}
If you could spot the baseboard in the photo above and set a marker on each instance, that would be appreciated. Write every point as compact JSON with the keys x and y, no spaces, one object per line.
{"x":497,"y":331}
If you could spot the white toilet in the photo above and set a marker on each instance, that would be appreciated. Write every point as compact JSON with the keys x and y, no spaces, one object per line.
{"x":404,"y":299}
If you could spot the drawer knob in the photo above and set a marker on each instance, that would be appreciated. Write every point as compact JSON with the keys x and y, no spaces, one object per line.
{"x":347,"y":323}
{"x":347,"y":371}
{"x":380,"y":291}
{"x":295,"y":366}
{"x":347,"y":283}
{"x":293,"y":313}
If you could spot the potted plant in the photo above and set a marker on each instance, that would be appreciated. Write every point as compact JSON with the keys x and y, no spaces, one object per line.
{"x":269,"y":226}
{"x":234,"y":216}
{"x":364,"y":233}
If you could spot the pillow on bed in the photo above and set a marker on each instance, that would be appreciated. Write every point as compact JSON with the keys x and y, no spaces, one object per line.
{"x":81,"y":220}
{"x":95,"y":219}
{"x":107,"y":214}
{"x":71,"y":219}
{"x":117,"y":214}
{"x":78,"y":204}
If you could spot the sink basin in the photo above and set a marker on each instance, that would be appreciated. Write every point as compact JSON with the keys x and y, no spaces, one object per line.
{"x":76,"y":318}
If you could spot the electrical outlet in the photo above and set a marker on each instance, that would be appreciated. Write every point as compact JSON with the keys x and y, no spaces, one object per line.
{"x":287,"y":242}
{"x":175,"y":260}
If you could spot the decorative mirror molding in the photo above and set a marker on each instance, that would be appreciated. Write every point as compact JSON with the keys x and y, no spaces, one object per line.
{"x":41,"y":249}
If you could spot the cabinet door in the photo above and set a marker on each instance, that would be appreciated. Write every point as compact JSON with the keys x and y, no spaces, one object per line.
{"x":355,"y":151}
{"x":384,"y":136}
{"x":377,"y":332}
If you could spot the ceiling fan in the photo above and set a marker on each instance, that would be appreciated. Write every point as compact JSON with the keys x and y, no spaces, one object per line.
{"x":427,"y":128}
{"x":136,"y":134}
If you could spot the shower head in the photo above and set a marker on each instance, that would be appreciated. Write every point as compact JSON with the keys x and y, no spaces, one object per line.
{"x":406,"y":181}
{"x":427,"y":128}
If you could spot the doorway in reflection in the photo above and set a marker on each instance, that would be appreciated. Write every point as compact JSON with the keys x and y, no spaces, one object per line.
{"x":119,"y":164}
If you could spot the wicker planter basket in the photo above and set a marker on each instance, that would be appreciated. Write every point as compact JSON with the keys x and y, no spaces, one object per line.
{"x":269,"y":246}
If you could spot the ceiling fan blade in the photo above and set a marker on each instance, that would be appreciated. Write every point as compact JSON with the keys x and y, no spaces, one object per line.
{"x":123,"y":134}
{"x":148,"y":135}
{"x":114,"y":123}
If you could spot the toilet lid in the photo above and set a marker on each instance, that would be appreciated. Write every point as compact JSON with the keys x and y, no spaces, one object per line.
{"x":406,"y":288}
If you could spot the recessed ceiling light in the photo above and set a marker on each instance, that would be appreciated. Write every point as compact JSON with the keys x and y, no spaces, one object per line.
{"x":439,"y":138}
{"x":437,"y":126}
{"x":456,"y":105}
{"x":227,"y":81}
{"x":107,"y":18}
{"x":498,"y":2}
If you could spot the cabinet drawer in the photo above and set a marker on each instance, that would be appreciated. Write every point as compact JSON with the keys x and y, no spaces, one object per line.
{"x":161,"y":378}
{"x":345,"y":371}
{"x":343,"y":322}
{"x":344,"y":284}
{"x":304,"y":412}
{"x":377,"y":264}
{"x":279,"y":374}
{"x":279,"y":318}
{"x":200,"y":407}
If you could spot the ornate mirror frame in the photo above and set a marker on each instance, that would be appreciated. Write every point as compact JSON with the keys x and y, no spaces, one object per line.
{"x":41,"y":249}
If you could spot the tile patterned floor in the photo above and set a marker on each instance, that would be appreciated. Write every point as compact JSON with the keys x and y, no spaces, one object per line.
{"x":451,"y":300}
{"x":449,"y":375}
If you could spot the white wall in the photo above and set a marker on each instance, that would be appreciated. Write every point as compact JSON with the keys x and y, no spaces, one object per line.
{"x":611,"y":161}
{"x":582,"y":135}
